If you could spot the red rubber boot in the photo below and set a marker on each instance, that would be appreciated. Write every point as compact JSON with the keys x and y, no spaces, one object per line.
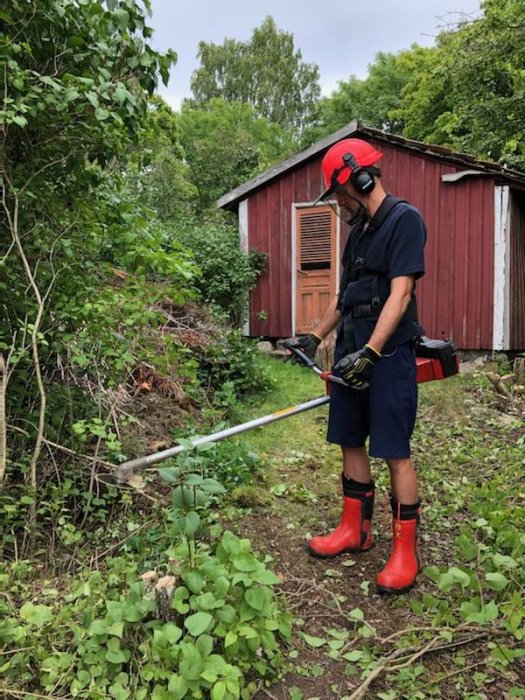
{"x":354,"y":532}
{"x":402,"y":567}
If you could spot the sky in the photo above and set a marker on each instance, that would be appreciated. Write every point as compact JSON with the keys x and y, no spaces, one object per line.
{"x":341,"y":37}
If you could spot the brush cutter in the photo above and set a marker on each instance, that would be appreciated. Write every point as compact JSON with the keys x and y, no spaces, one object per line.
{"x":435,"y":359}
{"x":126,"y":473}
{"x":440,"y":361}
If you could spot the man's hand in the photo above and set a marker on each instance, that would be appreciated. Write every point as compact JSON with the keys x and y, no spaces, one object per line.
{"x":307,"y":344}
{"x":356,"y":368}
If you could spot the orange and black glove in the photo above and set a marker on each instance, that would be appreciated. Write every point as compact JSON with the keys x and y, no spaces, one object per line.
{"x":356,"y":368}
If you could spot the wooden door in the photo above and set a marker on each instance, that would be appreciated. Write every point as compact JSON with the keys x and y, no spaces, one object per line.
{"x":316,"y":264}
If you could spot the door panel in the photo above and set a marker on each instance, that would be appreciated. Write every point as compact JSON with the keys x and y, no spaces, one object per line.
{"x":316,"y":264}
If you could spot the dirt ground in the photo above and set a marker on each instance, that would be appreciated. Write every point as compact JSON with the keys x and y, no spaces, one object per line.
{"x":304,"y":484}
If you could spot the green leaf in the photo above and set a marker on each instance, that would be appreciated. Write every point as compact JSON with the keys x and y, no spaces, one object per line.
{"x":116,"y":656}
{"x":218,"y":691}
{"x":119,"y":692}
{"x":198,"y":623}
{"x":37,"y":615}
{"x":121,"y":18}
{"x":101,"y":114}
{"x":266,"y":578}
{"x":226,"y":614}
{"x":460,"y":576}
{"x":194,"y":580}
{"x":116,"y":629}
{"x":314,"y":642}
{"x":356,"y":614}
{"x":170,"y":475}
{"x":245,"y":562}
{"x":20,"y":120}
{"x":205,"y":645}
{"x":490,"y":611}
{"x":178,"y":686}
{"x":178,"y":601}
{"x":193,"y":480}
{"x":496,"y":581}
{"x":206,"y":601}
{"x":355,"y":655}
{"x":191,"y":524}
{"x":212,"y":486}
{"x":172,"y":632}
{"x":231,"y":638}
{"x":255,"y":598}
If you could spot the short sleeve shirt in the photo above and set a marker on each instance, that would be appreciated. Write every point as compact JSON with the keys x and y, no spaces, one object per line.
{"x":395,"y":248}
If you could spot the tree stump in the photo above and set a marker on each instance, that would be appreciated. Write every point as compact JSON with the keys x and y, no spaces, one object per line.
{"x":164,"y":592}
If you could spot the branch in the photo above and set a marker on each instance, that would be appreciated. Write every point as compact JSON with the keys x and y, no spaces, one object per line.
{"x":63,"y":159}
{"x":13,"y":224}
{"x":67,"y":450}
{"x":433,"y":645}
{"x":3,"y":431}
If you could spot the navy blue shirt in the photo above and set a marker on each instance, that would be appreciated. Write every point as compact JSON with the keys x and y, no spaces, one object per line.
{"x":394,"y":248}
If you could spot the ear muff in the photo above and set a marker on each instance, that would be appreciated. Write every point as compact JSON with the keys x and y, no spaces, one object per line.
{"x":362,"y":180}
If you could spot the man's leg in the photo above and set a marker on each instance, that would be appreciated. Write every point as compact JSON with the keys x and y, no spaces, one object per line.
{"x":402,"y":567}
{"x":356,"y":464}
{"x":403,"y":479}
{"x":353,"y":534}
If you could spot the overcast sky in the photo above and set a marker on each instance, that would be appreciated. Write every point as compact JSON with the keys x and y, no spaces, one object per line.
{"x":341,"y":36}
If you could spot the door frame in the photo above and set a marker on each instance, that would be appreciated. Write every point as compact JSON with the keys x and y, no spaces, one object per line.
{"x":310,"y":205}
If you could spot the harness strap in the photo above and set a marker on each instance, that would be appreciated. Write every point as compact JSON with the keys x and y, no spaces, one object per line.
{"x":371,"y":312}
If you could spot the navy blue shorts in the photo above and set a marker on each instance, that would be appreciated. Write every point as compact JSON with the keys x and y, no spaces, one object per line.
{"x":386,"y":411}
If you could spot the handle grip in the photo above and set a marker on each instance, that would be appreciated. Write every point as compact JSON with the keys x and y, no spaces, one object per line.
{"x":302,"y":357}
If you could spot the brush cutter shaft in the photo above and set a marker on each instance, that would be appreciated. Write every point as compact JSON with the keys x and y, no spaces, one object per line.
{"x":302,"y":357}
{"x":127,"y":468}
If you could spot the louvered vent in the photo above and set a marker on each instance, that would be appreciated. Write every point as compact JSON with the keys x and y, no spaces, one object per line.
{"x":316,"y":240}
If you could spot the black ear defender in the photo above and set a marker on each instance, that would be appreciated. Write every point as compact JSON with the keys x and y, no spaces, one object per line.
{"x":362,"y":179}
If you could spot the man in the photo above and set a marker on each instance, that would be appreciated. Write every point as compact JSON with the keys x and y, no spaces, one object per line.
{"x":375,"y":312}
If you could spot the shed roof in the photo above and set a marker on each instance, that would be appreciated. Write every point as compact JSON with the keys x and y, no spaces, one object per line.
{"x":354,"y":128}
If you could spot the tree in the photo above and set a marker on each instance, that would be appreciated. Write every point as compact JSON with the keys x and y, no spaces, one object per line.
{"x":75,"y":80}
{"x":266,"y":72}
{"x":158,"y":174}
{"x":227,"y":143}
{"x":374,"y":99}
{"x":470,"y":96}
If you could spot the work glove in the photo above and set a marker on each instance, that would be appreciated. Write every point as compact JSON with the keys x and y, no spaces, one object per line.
{"x":308,"y":344}
{"x":356,"y":368}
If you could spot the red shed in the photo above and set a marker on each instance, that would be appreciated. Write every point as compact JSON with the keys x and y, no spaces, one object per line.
{"x":474,"y":288}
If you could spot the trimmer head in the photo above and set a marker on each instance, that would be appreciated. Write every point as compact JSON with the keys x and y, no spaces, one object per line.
{"x":131,"y":482}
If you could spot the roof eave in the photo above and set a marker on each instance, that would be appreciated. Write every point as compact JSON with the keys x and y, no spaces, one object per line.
{"x":229,"y":200}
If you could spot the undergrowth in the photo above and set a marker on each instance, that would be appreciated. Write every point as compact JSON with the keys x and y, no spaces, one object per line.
{"x":92,"y":621}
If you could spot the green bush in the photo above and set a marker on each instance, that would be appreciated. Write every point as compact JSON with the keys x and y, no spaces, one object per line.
{"x":227,"y":272}
{"x":232,"y":366}
{"x":107,"y":639}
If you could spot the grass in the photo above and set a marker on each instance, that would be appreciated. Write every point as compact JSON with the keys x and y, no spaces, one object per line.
{"x":469,"y":601}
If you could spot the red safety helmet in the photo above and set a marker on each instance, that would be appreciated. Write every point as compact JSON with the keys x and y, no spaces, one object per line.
{"x":344,"y":160}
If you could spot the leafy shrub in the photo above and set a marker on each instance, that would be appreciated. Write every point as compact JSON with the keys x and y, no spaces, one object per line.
{"x":227,"y":272}
{"x":225,"y":624}
{"x":233,"y":364}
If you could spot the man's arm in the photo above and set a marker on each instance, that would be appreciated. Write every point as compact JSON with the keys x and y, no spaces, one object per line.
{"x":392,"y":312}
{"x":330,"y":319}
